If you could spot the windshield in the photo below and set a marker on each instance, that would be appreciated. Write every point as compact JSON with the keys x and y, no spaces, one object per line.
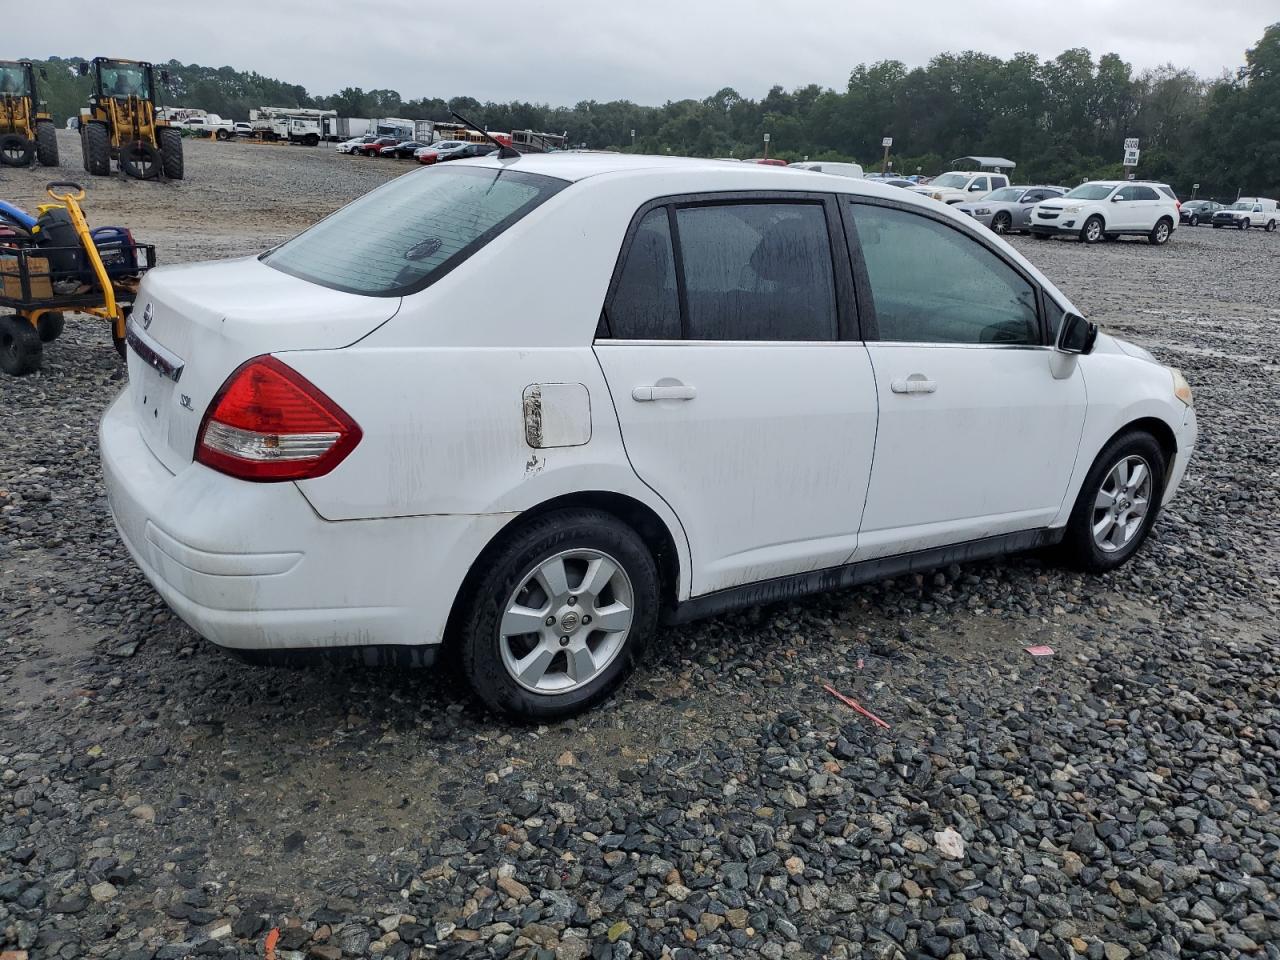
{"x":124,"y":80}
{"x":13,"y":80}
{"x":407,"y":234}
{"x":1004,"y":195}
{"x":951,"y":180}
{"x":1090,"y":191}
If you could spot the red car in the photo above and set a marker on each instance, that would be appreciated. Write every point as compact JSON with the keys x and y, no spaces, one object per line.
{"x":374,"y":147}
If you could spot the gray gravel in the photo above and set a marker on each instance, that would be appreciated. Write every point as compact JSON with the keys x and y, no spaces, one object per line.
{"x":1117,"y":799}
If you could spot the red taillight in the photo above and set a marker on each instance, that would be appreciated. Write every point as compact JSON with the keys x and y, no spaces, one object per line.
{"x":267,"y":422}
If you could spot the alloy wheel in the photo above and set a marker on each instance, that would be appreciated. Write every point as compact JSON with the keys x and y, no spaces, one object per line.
{"x":566,"y":622}
{"x":1121,"y":505}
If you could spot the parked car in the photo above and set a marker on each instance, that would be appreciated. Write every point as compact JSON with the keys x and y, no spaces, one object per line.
{"x":901,"y":182}
{"x":374,"y":147}
{"x":210,"y":125}
{"x":355,"y":143}
{"x":1196,"y":212}
{"x":454,"y":150}
{"x":431,"y":152}
{"x":958,"y":186}
{"x":1106,"y":209}
{"x":404,"y":150}
{"x":1008,"y":209}
{"x":243,"y":129}
{"x":826,"y":166}
{"x":305,"y":460}
{"x":1248,"y":212}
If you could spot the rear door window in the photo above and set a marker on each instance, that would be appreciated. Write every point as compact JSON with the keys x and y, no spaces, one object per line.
{"x":407,"y":234}
{"x":646,"y":302}
{"x":757,"y":271}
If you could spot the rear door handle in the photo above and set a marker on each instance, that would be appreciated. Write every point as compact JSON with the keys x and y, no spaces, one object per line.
{"x":916,"y":383}
{"x":663,"y":391}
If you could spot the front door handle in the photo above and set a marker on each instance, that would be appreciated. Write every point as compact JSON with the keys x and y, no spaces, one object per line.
{"x":663,"y":391}
{"x":916,"y":383}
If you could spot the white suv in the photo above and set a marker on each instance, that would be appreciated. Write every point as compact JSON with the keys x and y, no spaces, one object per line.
{"x":680,"y":386}
{"x":959,"y":186}
{"x":1106,"y":209}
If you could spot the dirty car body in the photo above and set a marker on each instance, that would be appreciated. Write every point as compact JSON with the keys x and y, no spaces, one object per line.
{"x":725,"y":384}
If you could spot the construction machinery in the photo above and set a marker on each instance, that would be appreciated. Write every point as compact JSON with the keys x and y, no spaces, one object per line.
{"x":27,"y":133}
{"x":53,"y":263}
{"x":120,"y":124}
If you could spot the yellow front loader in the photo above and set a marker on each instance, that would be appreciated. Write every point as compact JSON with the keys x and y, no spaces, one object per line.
{"x":120,"y":126}
{"x":27,"y":133}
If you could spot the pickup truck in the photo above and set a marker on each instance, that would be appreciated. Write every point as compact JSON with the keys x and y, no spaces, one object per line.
{"x":209,"y":126}
{"x":960,"y":185}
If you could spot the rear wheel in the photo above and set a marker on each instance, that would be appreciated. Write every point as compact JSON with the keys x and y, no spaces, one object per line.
{"x":20,"y":347}
{"x":46,"y":143}
{"x":97,"y":149}
{"x":1271,"y":226}
{"x":1091,"y":232}
{"x":171,"y":159}
{"x":16,"y":150}
{"x":1160,"y":233}
{"x":222,"y":134}
{"x":559,"y":615}
{"x":50,"y":326}
{"x":1117,"y":504}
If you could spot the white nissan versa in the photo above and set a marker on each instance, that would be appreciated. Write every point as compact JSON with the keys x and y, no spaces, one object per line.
{"x":680,"y":386}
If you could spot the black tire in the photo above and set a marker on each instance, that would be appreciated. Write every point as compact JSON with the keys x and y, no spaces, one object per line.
{"x":1217,"y":226}
{"x":311,"y":140}
{"x":1001,"y":223}
{"x":1092,"y":230}
{"x":502,"y":570}
{"x":140,"y":160}
{"x":20,"y":347}
{"x":1078,"y":548}
{"x":97,"y":149}
{"x":1271,"y":226}
{"x":50,"y":326}
{"x":171,"y":158}
{"x":1161,"y":232}
{"x":222,"y":135}
{"x":1193,"y":221}
{"x":46,"y":143}
{"x":16,"y":150}
{"x":1243,"y":224}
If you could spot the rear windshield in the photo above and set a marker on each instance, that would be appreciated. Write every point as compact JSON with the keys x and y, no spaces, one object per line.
{"x":411,"y":232}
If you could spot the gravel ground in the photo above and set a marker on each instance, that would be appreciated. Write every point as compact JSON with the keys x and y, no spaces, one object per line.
{"x":1116,"y":799}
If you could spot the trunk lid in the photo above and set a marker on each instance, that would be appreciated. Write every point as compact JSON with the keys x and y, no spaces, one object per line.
{"x":197,"y":323}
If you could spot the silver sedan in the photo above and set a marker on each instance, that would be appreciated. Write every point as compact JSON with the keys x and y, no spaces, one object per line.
{"x":1008,"y":209}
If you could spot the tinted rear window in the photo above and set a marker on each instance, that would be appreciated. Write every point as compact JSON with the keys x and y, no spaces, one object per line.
{"x":407,"y":234}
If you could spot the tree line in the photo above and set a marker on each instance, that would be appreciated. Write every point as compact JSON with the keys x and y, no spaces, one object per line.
{"x":1060,"y":119}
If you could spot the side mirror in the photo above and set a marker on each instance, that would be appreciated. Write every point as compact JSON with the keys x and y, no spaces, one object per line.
{"x":83,"y":68}
{"x":1076,"y":334}
{"x":1117,"y":198}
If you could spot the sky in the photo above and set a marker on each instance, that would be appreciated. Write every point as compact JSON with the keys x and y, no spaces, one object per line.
{"x":565,"y":51}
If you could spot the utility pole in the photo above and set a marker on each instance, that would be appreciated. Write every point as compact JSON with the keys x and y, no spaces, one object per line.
{"x":633,"y":139}
{"x":887,"y":142}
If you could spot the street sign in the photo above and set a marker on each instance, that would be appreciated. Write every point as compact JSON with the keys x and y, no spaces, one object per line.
{"x":766,"y":138}
{"x":887,"y":142}
{"x":1131,"y":144}
{"x":1131,"y":156}
{"x":1195,"y":186}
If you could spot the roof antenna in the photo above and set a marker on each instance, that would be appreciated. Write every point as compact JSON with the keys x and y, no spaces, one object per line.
{"x":505,"y":152}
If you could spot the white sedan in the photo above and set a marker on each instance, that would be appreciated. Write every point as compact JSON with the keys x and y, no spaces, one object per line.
{"x":679,"y":386}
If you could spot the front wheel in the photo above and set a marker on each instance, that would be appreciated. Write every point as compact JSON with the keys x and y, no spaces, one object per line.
{"x":46,"y":143}
{"x":1092,"y":230}
{"x":1194,"y":221}
{"x":1001,"y":223}
{"x":1160,"y":233}
{"x":20,"y":348}
{"x":171,"y":157}
{"x":1117,"y":504}
{"x":558,"y":615}
{"x":1244,"y":224}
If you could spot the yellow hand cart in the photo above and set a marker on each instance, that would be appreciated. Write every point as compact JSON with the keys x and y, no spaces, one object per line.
{"x":40,"y":282}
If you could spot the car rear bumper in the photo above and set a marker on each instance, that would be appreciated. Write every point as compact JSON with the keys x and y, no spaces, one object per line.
{"x":252,"y":567}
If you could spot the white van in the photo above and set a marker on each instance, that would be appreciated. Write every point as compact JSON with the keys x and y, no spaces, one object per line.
{"x":1248,"y":212}
{"x":837,"y":168}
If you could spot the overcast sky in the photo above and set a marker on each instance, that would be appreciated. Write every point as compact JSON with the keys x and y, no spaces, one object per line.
{"x":563,"y":51}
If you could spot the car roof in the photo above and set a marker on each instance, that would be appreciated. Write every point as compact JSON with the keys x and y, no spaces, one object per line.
{"x":569,"y":165}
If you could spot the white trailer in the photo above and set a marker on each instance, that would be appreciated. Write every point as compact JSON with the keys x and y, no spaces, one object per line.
{"x":345,"y":128}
